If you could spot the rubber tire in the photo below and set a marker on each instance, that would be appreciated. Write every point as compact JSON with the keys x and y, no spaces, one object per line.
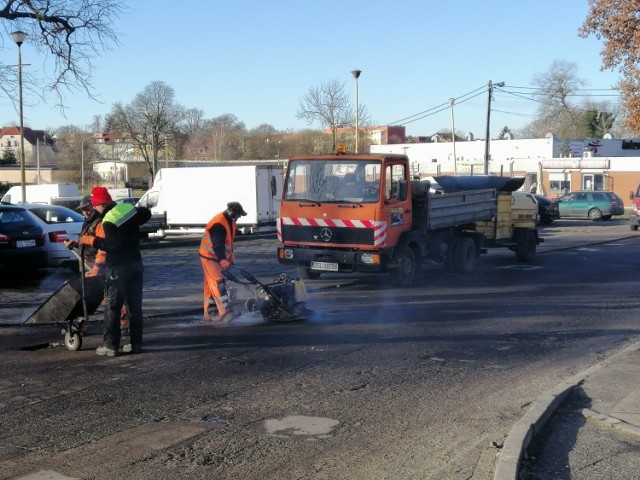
{"x":465,"y":255}
{"x":546,"y":221}
{"x":73,"y":341}
{"x":634,"y":227}
{"x":449,"y":259}
{"x":250,"y":304}
{"x":526,"y":250}
{"x":595,"y":214}
{"x":405,"y":274}
{"x":308,"y":274}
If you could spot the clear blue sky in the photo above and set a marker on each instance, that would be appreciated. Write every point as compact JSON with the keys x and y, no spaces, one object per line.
{"x":256,"y":59}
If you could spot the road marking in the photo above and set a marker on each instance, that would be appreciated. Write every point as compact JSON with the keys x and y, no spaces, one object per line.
{"x":46,"y":475}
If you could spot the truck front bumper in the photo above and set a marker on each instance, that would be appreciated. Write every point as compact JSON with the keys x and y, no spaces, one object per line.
{"x":346,"y":261}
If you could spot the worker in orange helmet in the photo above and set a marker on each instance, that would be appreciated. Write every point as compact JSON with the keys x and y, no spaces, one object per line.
{"x":216,"y":255}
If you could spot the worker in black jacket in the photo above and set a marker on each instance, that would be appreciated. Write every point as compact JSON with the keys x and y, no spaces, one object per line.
{"x":121,"y":226}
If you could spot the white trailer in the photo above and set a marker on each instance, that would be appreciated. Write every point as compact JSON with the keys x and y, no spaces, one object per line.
{"x":66,"y":194}
{"x":190,"y":197}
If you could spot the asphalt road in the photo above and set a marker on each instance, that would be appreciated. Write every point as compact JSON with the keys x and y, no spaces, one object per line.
{"x":380,"y":383}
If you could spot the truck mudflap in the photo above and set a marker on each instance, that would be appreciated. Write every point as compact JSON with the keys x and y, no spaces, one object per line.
{"x":336,"y":261}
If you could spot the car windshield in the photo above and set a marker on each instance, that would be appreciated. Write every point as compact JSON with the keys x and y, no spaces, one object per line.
{"x":333,"y":181}
{"x":55,"y":215}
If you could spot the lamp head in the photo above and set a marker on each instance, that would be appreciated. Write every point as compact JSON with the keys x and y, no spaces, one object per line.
{"x":356,"y":73}
{"x":18,"y":37}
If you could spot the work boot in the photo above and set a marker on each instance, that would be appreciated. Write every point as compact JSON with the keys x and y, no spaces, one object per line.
{"x":229,"y":315}
{"x":106,"y":351}
{"x":133,"y":349}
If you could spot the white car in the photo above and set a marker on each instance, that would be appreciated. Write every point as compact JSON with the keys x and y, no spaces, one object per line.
{"x":59,"y":224}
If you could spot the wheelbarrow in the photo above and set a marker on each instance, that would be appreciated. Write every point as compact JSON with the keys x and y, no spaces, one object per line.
{"x":70,"y":306}
{"x":283,"y":300}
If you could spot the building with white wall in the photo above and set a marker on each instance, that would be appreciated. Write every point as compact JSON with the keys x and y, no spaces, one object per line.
{"x":604,"y":164}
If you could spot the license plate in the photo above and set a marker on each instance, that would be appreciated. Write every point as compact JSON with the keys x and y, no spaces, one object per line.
{"x":326,"y":266}
{"x":25,"y":243}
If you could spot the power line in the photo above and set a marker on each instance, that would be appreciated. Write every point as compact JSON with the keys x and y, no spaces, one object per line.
{"x":425,"y":113}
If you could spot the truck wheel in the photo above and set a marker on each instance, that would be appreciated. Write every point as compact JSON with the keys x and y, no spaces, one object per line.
{"x":465,"y":255}
{"x":404,"y":275}
{"x":526,"y":250}
{"x":595,"y":214}
{"x":308,"y":274}
{"x":449,"y":259}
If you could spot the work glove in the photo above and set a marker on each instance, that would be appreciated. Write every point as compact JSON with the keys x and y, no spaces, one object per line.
{"x":70,"y":244}
{"x":95,"y":271}
{"x":87,"y":240}
{"x":224,"y":265}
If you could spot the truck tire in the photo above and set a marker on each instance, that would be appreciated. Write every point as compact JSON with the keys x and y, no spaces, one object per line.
{"x":465,"y":255}
{"x":526,"y":249}
{"x":308,"y":274}
{"x":404,"y":275}
{"x":450,"y":257}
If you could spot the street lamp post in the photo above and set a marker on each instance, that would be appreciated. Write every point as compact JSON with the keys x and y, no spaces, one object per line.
{"x":19,"y":37}
{"x":486,"y":144}
{"x":453,"y":137}
{"x":356,"y":74}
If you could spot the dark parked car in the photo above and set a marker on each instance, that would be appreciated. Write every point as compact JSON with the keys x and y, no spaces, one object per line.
{"x":548,"y":210}
{"x":21,"y":239}
{"x":593,"y":204}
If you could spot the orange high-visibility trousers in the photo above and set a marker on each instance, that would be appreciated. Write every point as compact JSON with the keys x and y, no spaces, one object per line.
{"x":215,"y":289}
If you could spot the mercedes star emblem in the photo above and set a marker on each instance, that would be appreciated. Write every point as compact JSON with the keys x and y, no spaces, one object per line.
{"x":325,"y":234}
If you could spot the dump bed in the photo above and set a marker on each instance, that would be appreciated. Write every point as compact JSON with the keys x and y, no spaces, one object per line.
{"x":433,"y":211}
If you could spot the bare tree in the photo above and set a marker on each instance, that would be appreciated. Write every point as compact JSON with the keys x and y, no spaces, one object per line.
{"x":70,"y":32}
{"x":330,"y":105}
{"x":149,"y":119}
{"x":193,"y":121}
{"x":617,"y":22}
{"x":226,"y":133}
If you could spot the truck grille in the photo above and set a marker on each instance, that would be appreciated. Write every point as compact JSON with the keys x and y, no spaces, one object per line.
{"x":339,"y":235}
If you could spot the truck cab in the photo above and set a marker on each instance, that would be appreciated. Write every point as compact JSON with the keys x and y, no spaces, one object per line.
{"x":343,"y":213}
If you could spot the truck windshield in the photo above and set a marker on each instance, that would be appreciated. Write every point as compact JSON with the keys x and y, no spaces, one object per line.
{"x":333,"y":181}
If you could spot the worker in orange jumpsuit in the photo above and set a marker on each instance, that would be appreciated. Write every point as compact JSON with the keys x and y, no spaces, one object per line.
{"x":216,"y":255}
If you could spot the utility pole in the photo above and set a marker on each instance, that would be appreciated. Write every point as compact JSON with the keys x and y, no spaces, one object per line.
{"x":488,"y":133}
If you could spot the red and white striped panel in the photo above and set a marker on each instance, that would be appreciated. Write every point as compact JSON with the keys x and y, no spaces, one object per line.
{"x":379,"y":228}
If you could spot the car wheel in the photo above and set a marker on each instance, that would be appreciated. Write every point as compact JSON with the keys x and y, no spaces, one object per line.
{"x":547,"y":221}
{"x":595,"y":214}
{"x":634,"y":227}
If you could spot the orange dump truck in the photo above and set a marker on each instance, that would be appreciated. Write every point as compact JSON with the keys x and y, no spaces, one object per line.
{"x":362,"y":212}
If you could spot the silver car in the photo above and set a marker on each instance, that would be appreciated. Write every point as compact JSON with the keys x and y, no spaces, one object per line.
{"x":59,"y":224}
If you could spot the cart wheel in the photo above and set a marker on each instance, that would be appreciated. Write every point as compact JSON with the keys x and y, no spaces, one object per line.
{"x":250,"y":304}
{"x":73,"y":341}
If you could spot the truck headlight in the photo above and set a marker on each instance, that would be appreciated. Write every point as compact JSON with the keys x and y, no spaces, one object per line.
{"x":370,"y":258}
{"x":286,"y":253}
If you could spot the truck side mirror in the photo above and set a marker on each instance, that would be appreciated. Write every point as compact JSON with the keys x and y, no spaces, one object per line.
{"x":631,"y":196}
{"x":402,"y":190}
